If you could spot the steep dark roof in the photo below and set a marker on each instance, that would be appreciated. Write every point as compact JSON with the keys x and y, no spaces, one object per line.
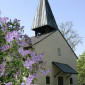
{"x":44,"y":16}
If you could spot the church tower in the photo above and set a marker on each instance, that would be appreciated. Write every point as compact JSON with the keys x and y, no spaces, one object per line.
{"x":44,"y":21}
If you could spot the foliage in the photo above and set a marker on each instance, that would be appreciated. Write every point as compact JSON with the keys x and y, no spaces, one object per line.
{"x":70,"y":35}
{"x":18,"y":66}
{"x":81,"y":69}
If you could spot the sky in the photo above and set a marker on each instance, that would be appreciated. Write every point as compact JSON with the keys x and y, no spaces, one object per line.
{"x":63,"y":10}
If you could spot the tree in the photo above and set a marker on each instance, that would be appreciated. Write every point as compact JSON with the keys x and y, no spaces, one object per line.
{"x":81,"y":69}
{"x":18,"y":66}
{"x":70,"y":35}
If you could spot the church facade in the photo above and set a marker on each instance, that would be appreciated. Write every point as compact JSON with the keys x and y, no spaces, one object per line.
{"x":58,"y":54}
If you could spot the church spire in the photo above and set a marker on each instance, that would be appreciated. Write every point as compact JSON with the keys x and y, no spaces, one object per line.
{"x":44,"y":18}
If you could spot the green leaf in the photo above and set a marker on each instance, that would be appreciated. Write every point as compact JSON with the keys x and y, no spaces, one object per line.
{"x":4,"y":24}
{"x":7,"y":59}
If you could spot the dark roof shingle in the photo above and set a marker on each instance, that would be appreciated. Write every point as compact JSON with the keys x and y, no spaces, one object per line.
{"x":65,"y":68}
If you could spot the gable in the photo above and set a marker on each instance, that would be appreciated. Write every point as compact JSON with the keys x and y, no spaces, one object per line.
{"x":36,"y":40}
{"x":49,"y":46}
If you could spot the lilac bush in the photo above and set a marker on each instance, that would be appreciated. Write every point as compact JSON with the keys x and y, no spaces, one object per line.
{"x":18,"y":66}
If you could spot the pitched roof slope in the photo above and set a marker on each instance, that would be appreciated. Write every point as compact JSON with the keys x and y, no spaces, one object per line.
{"x":38,"y":39}
{"x":44,"y":16}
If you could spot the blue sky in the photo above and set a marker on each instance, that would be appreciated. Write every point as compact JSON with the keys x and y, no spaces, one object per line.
{"x":63,"y":10}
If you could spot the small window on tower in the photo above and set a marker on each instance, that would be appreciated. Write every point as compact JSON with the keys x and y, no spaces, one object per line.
{"x":71,"y":81}
{"x":58,"y":52}
{"x":47,"y":80}
{"x":39,"y":34}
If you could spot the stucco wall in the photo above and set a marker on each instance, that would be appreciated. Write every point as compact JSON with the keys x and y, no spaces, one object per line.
{"x":49,"y":47}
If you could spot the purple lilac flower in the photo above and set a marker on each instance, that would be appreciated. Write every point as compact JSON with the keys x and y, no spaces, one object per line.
{"x":9,"y":83}
{"x":10,"y":36}
{"x":24,"y":52}
{"x":22,"y":27}
{"x":30,"y":42}
{"x":3,"y":25}
{"x":16,"y":21}
{"x":38,"y":57}
{"x":6,"y":74}
{"x":18,"y":74}
{"x":45,"y":72}
{"x":44,"y":64}
{"x":29,"y":80}
{"x":3,"y":20}
{"x":26,"y":36}
{"x":4,"y":29}
{"x":17,"y":56}
{"x":33,"y":54}
{"x":17,"y":37}
{"x":11,"y":59}
{"x":5,"y":47}
{"x":2,"y":71}
{"x":28,"y":63}
{"x":20,"y":50}
{"x":15,"y":33}
{"x":3,"y":64}
{"x":22,"y":83}
{"x":8,"y":24}
{"x":28,"y":39}
{"x":35,"y":75}
{"x":2,"y":68}
{"x":21,"y":43}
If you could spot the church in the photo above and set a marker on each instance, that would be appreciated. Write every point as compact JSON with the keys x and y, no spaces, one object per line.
{"x":58,"y":54}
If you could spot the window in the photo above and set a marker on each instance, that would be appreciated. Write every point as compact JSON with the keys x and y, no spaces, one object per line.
{"x":71,"y":81}
{"x":58,"y":52}
{"x":47,"y":80}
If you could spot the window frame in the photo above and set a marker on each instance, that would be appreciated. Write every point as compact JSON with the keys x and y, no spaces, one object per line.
{"x":71,"y":80}
{"x":47,"y":79}
{"x":58,"y":51}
